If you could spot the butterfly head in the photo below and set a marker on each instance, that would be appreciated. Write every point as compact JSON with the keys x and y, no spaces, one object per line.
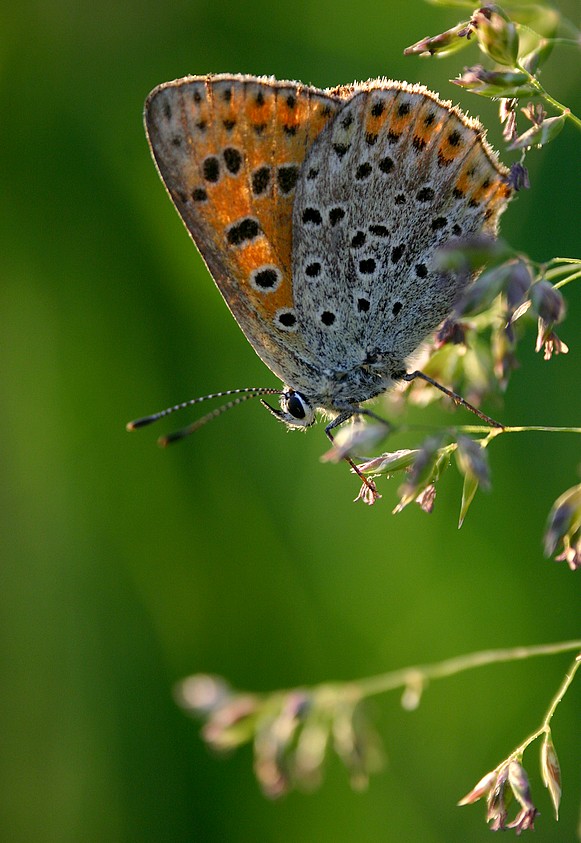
{"x":295,"y":410}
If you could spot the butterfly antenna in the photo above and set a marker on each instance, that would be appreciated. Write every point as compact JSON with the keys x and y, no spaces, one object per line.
{"x":243,"y":395}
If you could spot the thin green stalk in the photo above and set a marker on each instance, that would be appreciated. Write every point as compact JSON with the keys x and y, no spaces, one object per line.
{"x":534,"y":82}
{"x":562,"y":269}
{"x":568,"y":280}
{"x":563,"y":260}
{"x":497,"y":431}
{"x":418,"y":675}
{"x":545,"y":727}
{"x":534,"y":428}
{"x":567,"y":42}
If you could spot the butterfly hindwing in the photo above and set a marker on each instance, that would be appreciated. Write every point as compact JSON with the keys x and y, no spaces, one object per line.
{"x":398,"y":173}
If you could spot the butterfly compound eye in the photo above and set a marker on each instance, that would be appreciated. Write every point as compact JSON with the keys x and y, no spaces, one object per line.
{"x":296,"y":406}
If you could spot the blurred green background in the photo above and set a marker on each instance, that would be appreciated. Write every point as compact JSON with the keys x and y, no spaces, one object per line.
{"x":125,"y":568}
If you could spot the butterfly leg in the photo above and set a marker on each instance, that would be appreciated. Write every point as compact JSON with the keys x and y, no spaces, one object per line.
{"x":457,"y":399}
{"x":340,"y":419}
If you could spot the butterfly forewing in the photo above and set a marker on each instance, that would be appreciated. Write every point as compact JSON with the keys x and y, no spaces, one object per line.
{"x":230,"y":150}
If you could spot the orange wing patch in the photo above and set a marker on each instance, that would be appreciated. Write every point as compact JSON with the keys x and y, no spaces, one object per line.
{"x":230,"y":150}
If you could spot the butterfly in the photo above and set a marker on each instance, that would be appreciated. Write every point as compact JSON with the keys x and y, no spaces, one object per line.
{"x":318,"y":214}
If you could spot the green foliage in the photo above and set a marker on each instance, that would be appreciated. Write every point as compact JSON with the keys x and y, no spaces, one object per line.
{"x":126,"y":568}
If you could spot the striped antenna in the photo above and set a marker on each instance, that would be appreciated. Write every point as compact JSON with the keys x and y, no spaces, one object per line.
{"x":243,"y":395}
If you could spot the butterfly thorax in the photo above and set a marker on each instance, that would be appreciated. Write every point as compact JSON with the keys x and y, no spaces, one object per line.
{"x":346,"y":388}
{"x":340,"y":392}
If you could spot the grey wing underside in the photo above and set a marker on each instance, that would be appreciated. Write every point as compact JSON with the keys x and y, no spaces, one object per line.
{"x":371,"y":209}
